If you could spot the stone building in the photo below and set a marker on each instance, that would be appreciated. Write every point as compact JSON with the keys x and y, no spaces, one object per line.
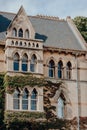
{"x":46,"y":47}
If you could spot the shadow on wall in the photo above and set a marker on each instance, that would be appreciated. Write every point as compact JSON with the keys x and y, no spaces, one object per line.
{"x":4,"y":23}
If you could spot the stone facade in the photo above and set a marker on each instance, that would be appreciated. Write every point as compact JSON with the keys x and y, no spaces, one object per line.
{"x":73,"y":89}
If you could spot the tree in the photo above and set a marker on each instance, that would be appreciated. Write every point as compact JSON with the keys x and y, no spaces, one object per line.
{"x":81,"y":23}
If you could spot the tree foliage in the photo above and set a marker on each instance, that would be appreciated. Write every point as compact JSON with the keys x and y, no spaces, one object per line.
{"x":81,"y":23}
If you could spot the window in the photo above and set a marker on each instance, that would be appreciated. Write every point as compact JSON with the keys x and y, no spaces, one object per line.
{"x":16,"y":99}
{"x":20,"y":33}
{"x":14,"y":32}
{"x":51,"y":68}
{"x":27,"y":34}
{"x":33,"y":63}
{"x":12,"y":43}
{"x":60,"y":107}
{"x":25,"y":63}
{"x":34,"y":100}
{"x":60,"y":69}
{"x":16,"y":62}
{"x":25,"y":100}
{"x":68,"y":70}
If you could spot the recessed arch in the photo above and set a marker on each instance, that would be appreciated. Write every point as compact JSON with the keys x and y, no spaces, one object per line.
{"x":33,"y":63}
{"x":60,"y":69}
{"x":25,"y":99}
{"x":51,"y":68}
{"x":34,"y":99}
{"x":16,"y":62}
{"x":25,"y":62}
{"x":68,"y":70}
{"x":27,"y":33}
{"x":14,"y":32}
{"x":20,"y":32}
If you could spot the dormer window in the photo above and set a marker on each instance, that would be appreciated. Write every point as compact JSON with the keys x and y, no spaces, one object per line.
{"x":20,"y":33}
{"x":14,"y":32}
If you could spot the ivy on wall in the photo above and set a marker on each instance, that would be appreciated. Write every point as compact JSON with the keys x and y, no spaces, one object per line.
{"x":11,"y":82}
{"x":34,"y":120}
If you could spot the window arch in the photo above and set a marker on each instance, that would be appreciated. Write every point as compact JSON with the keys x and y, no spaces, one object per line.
{"x":27,"y":33}
{"x":16,"y":99}
{"x":20,"y":32}
{"x":60,"y":69}
{"x":33,"y":63}
{"x":34,"y":99}
{"x":51,"y":68}
{"x":25,"y":63}
{"x":60,"y":107}
{"x":68,"y":70}
{"x":14,"y":32}
{"x":25,"y":99}
{"x":16,"y":62}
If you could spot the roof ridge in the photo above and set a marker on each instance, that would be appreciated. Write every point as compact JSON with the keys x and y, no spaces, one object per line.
{"x":47,"y":17}
{"x":7,"y":12}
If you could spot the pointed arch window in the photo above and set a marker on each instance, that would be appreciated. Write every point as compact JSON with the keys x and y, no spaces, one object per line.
{"x":27,"y":33}
{"x":33,"y":63}
{"x":60,"y":107}
{"x":20,"y":33}
{"x":16,"y":62}
{"x":51,"y":68}
{"x":16,"y":99}
{"x":68,"y":70}
{"x":60,"y":69}
{"x":14,"y":32}
{"x":34,"y":100}
{"x":25,"y":100}
{"x":25,"y":63}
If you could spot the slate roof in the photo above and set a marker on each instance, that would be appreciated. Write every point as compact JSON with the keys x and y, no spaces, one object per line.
{"x":55,"y":33}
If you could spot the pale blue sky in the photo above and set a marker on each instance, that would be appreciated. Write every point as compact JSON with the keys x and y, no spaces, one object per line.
{"x":60,"y":8}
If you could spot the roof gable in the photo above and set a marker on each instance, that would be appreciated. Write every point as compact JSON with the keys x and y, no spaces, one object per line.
{"x":22,"y":21}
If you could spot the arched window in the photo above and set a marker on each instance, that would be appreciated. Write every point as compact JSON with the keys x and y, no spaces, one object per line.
{"x":20,"y":33}
{"x":33,"y":63}
{"x":60,"y":69}
{"x":12,"y":43}
{"x":25,"y":63}
{"x":16,"y":99}
{"x":25,"y":100}
{"x":14,"y":32}
{"x":16,"y":62}
{"x":51,"y":68}
{"x":60,"y":108}
{"x":27,"y":34}
{"x":34,"y":100}
{"x":68,"y":70}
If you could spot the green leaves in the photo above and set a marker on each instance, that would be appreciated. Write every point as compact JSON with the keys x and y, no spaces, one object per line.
{"x":81,"y":23}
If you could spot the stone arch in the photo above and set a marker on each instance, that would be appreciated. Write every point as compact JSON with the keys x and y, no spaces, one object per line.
{"x":62,"y":91}
{"x":49,"y":59}
{"x":37,"y":55}
{"x":15,"y":51}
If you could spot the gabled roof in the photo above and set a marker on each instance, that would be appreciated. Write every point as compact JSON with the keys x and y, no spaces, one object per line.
{"x":54,"y":32}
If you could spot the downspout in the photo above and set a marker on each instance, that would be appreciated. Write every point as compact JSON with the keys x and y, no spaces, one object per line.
{"x":77,"y":89}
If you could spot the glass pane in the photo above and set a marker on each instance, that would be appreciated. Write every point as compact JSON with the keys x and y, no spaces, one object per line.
{"x":32,"y":67}
{"x":16,"y":103}
{"x":59,"y":74}
{"x":50,"y":72}
{"x":25,"y":104}
{"x":33,"y":105}
{"x":16,"y":65}
{"x":60,"y":108}
{"x":24,"y":67}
